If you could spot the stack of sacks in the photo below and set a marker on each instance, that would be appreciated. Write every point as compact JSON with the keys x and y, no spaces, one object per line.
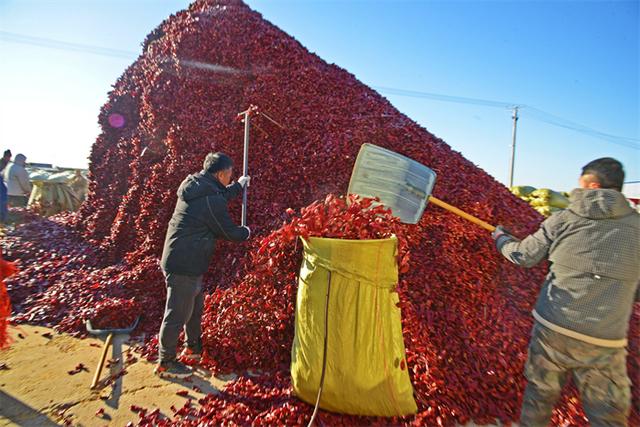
{"x":544,"y":200}
{"x":55,"y":192}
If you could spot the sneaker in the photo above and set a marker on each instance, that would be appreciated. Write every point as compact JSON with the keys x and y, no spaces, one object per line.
{"x":172,"y":369}
{"x":191,"y":354}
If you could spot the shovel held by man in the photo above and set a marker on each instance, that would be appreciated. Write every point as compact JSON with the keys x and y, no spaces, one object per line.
{"x":401,"y":184}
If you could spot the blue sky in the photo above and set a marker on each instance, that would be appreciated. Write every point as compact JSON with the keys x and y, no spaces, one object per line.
{"x":577,"y":60}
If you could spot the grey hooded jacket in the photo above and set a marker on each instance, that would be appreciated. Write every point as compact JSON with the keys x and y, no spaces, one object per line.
{"x":594,"y":253}
{"x":199,"y":219}
{"x":16,"y":177}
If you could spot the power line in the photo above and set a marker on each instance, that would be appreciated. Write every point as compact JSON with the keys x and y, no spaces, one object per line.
{"x":533,"y":112}
{"x":552,"y":119}
{"x":445,"y":98}
{"x":60,"y":45}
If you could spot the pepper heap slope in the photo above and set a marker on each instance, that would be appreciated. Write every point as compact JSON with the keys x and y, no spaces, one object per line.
{"x":179,"y":100}
{"x":466,"y":311}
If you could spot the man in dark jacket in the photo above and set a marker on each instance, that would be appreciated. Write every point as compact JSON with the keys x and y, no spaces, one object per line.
{"x":199,"y":220}
{"x":583,"y":310}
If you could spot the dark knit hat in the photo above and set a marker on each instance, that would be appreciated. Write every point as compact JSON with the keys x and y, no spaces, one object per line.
{"x":216,"y":162}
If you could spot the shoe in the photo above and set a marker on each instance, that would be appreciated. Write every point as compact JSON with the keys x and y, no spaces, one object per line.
{"x":191,"y":354}
{"x":172,"y":369}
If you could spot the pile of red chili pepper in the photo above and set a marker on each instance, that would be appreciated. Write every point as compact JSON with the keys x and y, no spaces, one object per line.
{"x":250,"y":326}
{"x":466,"y":311}
{"x":63,"y":278}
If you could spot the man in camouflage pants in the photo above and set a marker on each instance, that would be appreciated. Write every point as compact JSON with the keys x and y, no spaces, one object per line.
{"x":583,"y":310}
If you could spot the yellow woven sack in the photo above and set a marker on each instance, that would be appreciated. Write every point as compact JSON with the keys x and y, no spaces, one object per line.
{"x":547,"y":197}
{"x":558,"y":200}
{"x":365,"y":371}
{"x":522,"y":190}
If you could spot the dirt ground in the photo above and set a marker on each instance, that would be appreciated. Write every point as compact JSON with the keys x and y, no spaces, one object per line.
{"x":36,"y":388}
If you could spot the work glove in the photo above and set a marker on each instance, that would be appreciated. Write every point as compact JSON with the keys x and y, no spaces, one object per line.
{"x":244,"y":181}
{"x":247,"y":228}
{"x":501,"y":236}
{"x":498,"y":232}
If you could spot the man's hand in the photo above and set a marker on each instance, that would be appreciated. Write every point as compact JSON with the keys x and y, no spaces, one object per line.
{"x":244,"y":181}
{"x":499,"y":231}
{"x":502,"y":236}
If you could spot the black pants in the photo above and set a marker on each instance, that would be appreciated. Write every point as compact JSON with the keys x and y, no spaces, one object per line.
{"x":182,"y":311}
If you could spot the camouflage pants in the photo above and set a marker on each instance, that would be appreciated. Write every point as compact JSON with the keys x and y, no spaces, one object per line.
{"x":599,"y":373}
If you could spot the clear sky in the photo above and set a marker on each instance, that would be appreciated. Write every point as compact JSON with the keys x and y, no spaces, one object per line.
{"x":572,"y":63}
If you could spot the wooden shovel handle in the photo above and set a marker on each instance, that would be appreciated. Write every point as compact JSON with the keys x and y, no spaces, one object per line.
{"x":105,"y":347}
{"x":461,"y":213}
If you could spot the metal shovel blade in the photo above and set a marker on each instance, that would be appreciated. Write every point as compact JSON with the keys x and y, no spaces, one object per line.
{"x":122,"y":331}
{"x":401,"y":184}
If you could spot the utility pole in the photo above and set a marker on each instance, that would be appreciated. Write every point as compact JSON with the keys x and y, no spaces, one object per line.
{"x":513,"y":145}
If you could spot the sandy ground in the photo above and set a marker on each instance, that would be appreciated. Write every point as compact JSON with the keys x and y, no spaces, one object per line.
{"x":37,"y":390}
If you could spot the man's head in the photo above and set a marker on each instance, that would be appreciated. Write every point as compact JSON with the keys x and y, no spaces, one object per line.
{"x":20,"y":159}
{"x":6,"y":155}
{"x":220,"y":166}
{"x":602,"y":173}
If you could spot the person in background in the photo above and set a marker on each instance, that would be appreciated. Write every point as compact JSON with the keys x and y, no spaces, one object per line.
{"x":4,"y":212}
{"x":584,"y":307}
{"x":200,"y":218}
{"x":16,"y":179}
{"x":79,"y":185}
{"x":4,"y":161}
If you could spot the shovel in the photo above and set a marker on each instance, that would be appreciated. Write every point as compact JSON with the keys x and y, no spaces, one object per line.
{"x":401,"y":184}
{"x":109,"y":333}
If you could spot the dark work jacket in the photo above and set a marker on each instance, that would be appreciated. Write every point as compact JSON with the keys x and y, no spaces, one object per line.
{"x":199,"y":219}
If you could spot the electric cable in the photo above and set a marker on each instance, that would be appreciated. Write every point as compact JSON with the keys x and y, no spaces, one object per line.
{"x":532,"y":112}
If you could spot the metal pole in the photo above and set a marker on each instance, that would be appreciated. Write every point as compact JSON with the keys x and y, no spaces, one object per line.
{"x":513,"y":146}
{"x":245,"y":166}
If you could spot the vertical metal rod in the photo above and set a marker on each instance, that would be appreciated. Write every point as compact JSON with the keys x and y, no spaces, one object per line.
{"x":245,"y":166}
{"x":513,"y":146}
